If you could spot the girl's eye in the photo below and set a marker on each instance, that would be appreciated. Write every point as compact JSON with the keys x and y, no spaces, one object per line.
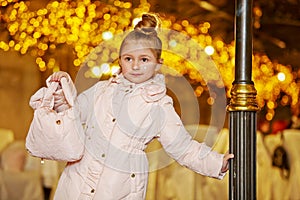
{"x":127,"y":59}
{"x":145,"y":59}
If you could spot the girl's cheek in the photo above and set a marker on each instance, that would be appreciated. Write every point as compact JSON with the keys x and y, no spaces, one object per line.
{"x":145,"y":67}
{"x":124,"y":70}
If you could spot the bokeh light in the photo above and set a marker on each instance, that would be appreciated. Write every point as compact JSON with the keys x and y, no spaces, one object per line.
{"x":82,"y":25}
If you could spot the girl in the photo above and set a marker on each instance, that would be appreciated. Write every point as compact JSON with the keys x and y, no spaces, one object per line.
{"x":121,"y":116}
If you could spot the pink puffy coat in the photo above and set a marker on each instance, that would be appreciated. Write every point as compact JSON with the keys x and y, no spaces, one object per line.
{"x":120,"y":118}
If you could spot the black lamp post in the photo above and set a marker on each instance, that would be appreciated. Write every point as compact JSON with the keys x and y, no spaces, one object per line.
{"x":242,"y":109}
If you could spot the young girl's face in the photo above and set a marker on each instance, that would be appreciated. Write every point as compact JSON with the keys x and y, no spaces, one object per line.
{"x":138,"y":62}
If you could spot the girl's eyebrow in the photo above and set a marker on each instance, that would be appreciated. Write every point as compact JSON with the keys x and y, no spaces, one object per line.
{"x":126,"y":54}
{"x":145,"y":55}
{"x":142,"y":55}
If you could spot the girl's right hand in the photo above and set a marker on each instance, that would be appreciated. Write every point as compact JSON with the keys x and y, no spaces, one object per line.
{"x":226,"y":159}
{"x":60,"y":101}
{"x":57,"y":76}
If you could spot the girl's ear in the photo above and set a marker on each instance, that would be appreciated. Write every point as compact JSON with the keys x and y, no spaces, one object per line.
{"x":159,"y":63}
{"x":119,"y":62}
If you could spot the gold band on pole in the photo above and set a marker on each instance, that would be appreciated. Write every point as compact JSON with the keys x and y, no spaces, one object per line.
{"x":243,"y":98}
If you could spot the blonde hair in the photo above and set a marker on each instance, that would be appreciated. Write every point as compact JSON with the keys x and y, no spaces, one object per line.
{"x":146,"y":31}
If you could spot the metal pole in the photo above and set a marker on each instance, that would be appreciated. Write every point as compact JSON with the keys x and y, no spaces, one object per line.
{"x":242,"y":109}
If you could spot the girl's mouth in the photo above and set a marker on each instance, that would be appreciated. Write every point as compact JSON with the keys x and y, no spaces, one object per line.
{"x":135,"y":74}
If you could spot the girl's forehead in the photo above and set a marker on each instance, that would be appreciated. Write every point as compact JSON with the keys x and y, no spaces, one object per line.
{"x":137,"y":46}
{"x":132,"y":45}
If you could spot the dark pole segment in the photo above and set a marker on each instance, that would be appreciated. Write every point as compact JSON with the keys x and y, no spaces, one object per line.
{"x":242,"y":110}
{"x":242,"y":180}
{"x":243,"y":41}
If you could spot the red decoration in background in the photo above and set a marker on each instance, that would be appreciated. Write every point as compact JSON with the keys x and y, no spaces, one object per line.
{"x":278,"y":126}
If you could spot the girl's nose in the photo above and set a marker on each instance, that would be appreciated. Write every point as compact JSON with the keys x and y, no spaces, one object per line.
{"x":135,"y":66}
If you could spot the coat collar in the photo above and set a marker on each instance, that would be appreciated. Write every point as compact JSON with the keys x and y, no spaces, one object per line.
{"x":151,"y":90}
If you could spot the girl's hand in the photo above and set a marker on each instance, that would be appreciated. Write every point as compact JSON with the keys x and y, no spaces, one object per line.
{"x":57,"y":76}
{"x":226,"y":158}
{"x":60,"y":101}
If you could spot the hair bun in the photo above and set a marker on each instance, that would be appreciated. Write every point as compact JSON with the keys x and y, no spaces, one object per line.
{"x":147,"y":25}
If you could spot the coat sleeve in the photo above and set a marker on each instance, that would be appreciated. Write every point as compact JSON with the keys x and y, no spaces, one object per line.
{"x":179,"y":144}
{"x":84,"y":103}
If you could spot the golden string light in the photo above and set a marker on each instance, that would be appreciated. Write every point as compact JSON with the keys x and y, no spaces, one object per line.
{"x":84,"y":24}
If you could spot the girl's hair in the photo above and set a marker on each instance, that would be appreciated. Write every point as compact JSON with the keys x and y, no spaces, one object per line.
{"x":145,"y":31}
